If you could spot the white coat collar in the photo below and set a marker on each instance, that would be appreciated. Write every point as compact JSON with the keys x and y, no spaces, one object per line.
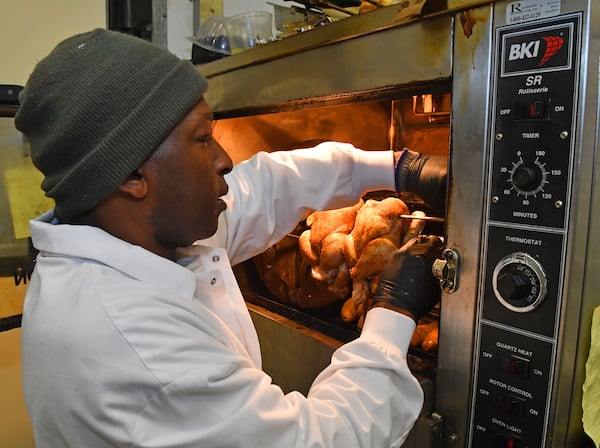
{"x":95,"y":244}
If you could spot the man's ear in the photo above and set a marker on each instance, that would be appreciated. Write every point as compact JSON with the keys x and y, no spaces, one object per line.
{"x":135,"y":185}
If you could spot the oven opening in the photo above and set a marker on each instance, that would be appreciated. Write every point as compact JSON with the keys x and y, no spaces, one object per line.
{"x":278,"y":285}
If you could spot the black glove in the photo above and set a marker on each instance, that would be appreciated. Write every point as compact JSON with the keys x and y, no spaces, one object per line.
{"x":424,"y":175}
{"x":407,"y":284}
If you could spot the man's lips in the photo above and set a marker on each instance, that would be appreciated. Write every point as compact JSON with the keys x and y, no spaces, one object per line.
{"x":220,"y":202}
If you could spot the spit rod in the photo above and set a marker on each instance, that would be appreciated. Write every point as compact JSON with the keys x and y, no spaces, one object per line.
{"x":424,"y":218}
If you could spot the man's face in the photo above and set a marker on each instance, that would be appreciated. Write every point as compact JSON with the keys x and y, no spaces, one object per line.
{"x":186,"y":181}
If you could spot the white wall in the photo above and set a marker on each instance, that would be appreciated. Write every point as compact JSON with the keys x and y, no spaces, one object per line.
{"x":233,"y":7}
{"x":29,"y":29}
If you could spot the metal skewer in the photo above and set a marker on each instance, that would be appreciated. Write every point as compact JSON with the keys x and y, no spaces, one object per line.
{"x":424,"y":218}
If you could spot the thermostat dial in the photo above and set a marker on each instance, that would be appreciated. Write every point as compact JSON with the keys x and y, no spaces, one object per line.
{"x":519,"y":282}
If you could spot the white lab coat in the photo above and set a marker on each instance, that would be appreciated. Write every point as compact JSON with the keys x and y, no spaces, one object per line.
{"x":123,"y":348}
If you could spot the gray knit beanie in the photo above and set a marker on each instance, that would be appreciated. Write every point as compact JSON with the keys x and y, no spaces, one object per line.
{"x":96,"y":107}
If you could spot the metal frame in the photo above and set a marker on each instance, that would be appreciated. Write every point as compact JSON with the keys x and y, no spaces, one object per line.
{"x":468,"y":161}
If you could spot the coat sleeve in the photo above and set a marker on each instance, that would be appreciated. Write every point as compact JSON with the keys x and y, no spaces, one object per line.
{"x":271,"y":192}
{"x":366,"y":397}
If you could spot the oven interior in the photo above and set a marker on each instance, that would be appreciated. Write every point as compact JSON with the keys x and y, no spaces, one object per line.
{"x":278,"y":283}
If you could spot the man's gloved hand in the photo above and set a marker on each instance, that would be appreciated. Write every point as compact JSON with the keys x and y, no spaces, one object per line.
{"x":407,"y":284}
{"x":425,"y":175}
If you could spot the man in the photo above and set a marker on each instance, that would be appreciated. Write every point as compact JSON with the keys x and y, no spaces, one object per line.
{"x":132,"y":336}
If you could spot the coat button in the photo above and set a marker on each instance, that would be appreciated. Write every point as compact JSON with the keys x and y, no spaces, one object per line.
{"x":213,"y":281}
{"x":216,"y":258}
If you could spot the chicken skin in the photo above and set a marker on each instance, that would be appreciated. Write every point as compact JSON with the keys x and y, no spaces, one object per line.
{"x":376,"y":219}
{"x":322,"y":246}
{"x":348,"y":248}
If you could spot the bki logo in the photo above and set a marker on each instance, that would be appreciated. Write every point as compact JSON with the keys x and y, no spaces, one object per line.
{"x":531,"y":49}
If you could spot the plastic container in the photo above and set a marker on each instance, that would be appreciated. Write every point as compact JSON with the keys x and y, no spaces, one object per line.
{"x":212,"y":35}
{"x":249,"y":29}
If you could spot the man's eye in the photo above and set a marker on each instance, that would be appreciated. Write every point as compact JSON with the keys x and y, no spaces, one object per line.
{"x":205,"y":140}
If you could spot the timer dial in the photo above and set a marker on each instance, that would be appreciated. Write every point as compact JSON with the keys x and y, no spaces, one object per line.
{"x":528,"y":180}
{"x":519,"y":282}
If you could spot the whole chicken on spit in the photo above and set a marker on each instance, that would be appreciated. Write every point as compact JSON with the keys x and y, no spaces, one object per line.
{"x":350,"y":247}
{"x":322,"y":247}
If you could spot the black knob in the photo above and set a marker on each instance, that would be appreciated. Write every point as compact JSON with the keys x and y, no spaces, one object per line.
{"x":513,"y":287}
{"x":526,"y":178}
{"x":519,"y":282}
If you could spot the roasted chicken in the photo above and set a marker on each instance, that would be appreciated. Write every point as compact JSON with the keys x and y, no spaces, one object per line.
{"x":348,"y":248}
{"x":323,"y":245}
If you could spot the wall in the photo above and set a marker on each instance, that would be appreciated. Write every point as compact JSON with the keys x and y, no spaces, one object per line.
{"x":29,"y":29}
{"x":233,"y":7}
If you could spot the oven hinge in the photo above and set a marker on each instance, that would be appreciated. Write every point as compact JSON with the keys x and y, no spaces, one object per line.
{"x":446,"y":270}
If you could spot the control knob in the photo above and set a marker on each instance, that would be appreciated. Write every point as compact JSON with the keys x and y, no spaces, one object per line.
{"x":519,"y":282}
{"x":528,"y":180}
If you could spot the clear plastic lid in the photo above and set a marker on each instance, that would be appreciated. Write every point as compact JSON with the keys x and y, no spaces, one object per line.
{"x":212,"y":34}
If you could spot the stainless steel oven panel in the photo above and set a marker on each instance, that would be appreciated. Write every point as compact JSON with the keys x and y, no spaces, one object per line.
{"x":469,"y":128}
{"x":419,"y":51}
{"x":530,"y":354}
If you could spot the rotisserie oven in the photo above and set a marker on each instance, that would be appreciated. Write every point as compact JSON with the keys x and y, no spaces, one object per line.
{"x":508,"y":91}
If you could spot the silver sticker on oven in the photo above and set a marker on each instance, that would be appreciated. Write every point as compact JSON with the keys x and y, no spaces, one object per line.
{"x":526,"y":10}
